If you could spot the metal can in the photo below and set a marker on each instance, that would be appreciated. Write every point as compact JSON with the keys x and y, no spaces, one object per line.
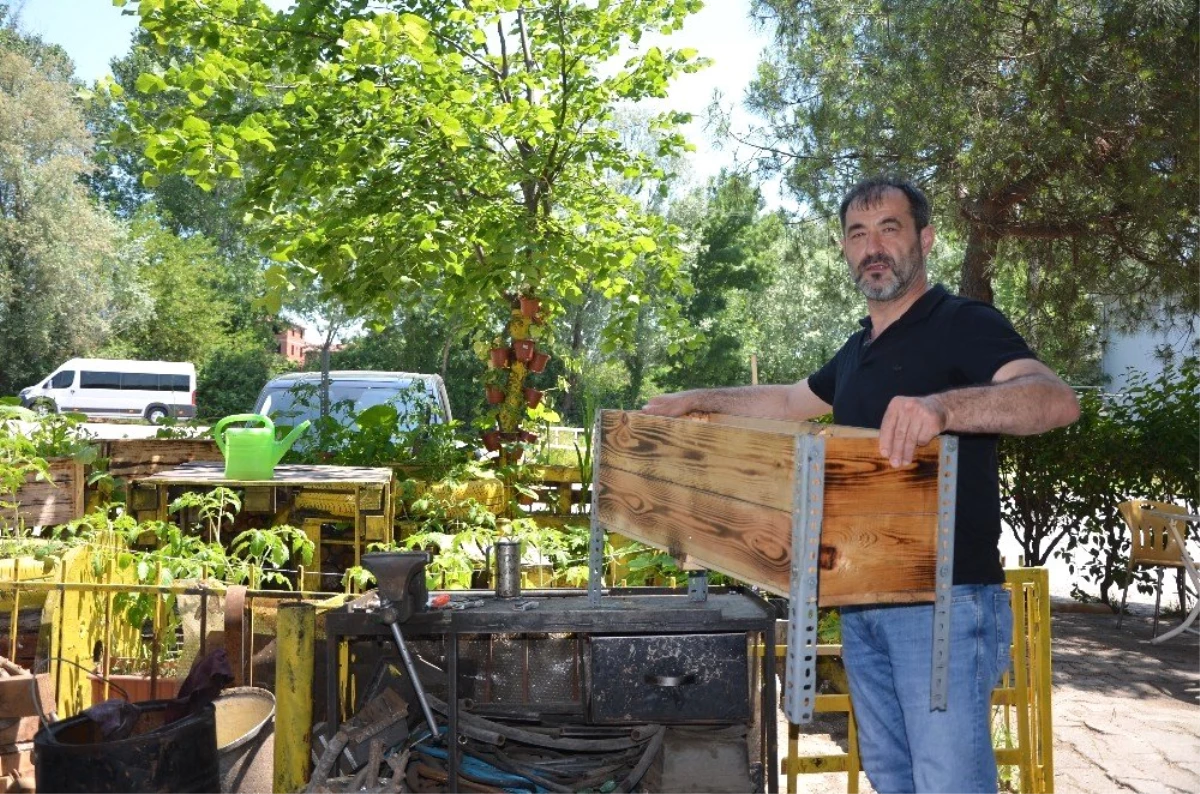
{"x":508,"y":567}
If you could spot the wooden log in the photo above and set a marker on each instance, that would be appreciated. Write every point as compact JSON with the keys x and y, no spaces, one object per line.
{"x":720,"y":493}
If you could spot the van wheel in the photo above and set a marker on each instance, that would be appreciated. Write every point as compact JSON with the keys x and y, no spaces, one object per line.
{"x":155,"y":414}
{"x":44,"y":407}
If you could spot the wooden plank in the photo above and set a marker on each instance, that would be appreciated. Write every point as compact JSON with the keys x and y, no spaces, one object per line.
{"x":882,"y":558}
{"x":860,"y":482}
{"x":748,"y":465}
{"x":57,"y":501}
{"x":747,"y":541}
{"x":784,"y":426}
{"x":714,"y":493}
{"x":135,"y":458}
{"x":214,"y":474}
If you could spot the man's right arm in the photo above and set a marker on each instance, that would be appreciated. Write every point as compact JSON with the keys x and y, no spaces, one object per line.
{"x":796,"y":402}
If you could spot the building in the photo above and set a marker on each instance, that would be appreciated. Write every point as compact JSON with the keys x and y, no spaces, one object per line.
{"x":291,"y":343}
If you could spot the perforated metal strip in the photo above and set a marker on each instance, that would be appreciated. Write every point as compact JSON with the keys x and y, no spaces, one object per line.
{"x":596,"y":541}
{"x":947,"y":503}
{"x":808,"y":496}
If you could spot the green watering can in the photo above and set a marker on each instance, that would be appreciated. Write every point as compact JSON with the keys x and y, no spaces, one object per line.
{"x":252,"y":452}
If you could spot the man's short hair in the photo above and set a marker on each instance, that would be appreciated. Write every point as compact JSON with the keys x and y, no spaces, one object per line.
{"x":869,"y":192}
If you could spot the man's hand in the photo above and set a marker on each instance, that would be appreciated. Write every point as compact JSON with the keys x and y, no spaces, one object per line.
{"x":676,"y":404}
{"x":909,"y":423}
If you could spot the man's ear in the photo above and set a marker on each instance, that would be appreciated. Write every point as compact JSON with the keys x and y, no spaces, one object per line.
{"x":927,"y":237}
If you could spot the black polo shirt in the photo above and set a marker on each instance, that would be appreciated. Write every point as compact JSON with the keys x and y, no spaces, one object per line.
{"x":942,"y":342}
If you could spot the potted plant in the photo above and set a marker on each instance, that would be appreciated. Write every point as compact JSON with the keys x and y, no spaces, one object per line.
{"x":530,"y":306}
{"x":532,"y":396}
{"x":538,"y":362}
{"x":524,"y":349}
{"x":493,"y":386}
{"x":499,"y":355}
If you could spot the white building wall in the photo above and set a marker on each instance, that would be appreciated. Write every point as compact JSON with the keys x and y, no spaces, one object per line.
{"x":1143,"y":351}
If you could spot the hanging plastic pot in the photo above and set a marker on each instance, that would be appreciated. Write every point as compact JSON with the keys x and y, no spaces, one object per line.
{"x":530,"y":306}
{"x":499,"y":357}
{"x":532,"y":397}
{"x":524,"y":349}
{"x":539,"y":361}
{"x":495,"y":395}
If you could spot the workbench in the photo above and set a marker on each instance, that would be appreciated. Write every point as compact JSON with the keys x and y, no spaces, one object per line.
{"x":315,"y":499}
{"x":629,"y":656}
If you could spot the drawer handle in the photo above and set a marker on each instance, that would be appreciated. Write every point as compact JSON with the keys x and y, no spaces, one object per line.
{"x":671,"y":680}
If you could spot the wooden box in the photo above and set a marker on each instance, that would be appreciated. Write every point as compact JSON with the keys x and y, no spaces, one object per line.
{"x":720,"y":493}
{"x":49,"y":503}
{"x":135,"y":458}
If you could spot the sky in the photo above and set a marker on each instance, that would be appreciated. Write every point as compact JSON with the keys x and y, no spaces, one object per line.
{"x":93,"y":32}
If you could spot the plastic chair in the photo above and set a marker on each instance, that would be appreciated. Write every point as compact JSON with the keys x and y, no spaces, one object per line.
{"x":1152,"y":547}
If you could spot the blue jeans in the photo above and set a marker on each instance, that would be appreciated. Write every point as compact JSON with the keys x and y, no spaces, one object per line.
{"x":888,"y":652}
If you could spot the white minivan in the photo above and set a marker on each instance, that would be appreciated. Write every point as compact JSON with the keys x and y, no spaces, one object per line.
{"x":117,"y":387}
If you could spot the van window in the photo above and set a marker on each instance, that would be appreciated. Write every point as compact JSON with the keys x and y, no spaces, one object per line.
{"x":99,"y":380}
{"x":62,"y":380}
{"x":174,"y":383}
{"x":139,"y":380}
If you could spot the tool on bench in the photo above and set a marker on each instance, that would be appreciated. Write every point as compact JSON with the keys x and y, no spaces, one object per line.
{"x":400,"y":578}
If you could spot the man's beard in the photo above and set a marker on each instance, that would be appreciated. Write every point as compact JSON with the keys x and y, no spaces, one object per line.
{"x":904,"y":273}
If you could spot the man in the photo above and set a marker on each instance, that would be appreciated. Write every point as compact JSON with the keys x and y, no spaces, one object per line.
{"x":925,"y":362}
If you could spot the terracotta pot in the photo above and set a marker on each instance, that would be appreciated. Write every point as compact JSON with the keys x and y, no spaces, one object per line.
{"x":532,"y":397}
{"x":530,"y":306}
{"x":495,"y":395}
{"x":524,"y":349}
{"x":499,"y":357}
{"x":527,"y":437}
{"x":491,"y":440}
{"x":137,"y":687}
{"x":539,"y":361}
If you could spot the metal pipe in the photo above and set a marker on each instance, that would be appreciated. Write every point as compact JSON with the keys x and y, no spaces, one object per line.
{"x":293,"y":694}
{"x":416,"y":681}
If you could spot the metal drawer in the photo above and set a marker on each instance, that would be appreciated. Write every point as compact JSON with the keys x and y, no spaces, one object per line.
{"x":668,"y":678}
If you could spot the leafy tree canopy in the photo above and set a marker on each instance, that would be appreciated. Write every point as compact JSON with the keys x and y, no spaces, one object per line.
{"x":56,"y":273}
{"x":1058,"y":138}
{"x":454,"y":150}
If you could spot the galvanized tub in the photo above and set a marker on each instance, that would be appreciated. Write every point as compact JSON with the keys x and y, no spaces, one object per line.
{"x":245,"y":718}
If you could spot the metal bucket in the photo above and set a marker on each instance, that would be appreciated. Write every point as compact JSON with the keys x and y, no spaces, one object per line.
{"x":70,"y":756}
{"x":246,"y":739}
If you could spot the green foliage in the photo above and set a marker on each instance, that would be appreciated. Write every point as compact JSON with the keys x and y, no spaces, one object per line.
{"x":183,"y":313}
{"x":229,"y":382}
{"x":1060,"y":139}
{"x":1060,"y":489}
{"x":56,"y":277}
{"x":213,"y":508}
{"x":404,"y":160}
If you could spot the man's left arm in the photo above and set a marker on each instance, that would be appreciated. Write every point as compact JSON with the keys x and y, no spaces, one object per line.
{"x":1024,"y":398}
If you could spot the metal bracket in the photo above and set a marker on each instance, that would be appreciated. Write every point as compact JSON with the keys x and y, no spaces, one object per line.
{"x":596,"y":538}
{"x":947,"y":504}
{"x":808,"y":497}
{"x":697,"y":586}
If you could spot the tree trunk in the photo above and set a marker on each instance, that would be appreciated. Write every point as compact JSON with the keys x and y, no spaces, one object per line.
{"x":573,"y":378}
{"x":976,"y":279}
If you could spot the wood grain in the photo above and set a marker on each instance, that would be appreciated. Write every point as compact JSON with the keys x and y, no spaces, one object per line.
{"x":55,"y":502}
{"x":859,"y":482}
{"x":747,"y":541}
{"x":134,"y":458}
{"x":719,"y":493}
{"x":747,"y":465}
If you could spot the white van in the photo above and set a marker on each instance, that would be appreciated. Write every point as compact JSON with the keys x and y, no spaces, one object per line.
{"x":117,"y":387}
